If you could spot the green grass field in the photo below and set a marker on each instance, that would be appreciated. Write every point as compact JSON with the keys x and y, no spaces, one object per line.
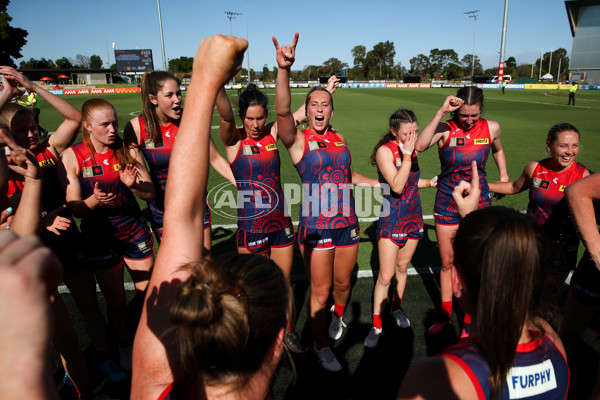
{"x":362,"y":116}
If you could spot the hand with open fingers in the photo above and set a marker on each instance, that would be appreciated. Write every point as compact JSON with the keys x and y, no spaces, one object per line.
{"x":102,"y":196}
{"x":408,"y":147}
{"x":220,"y":57}
{"x":128,"y":175}
{"x":13,"y":74}
{"x":466,"y":194}
{"x":54,"y":222}
{"x":286,"y":55}
{"x":13,"y":88}
{"x":452,"y":104}
{"x":20,"y":160}
{"x":333,"y":83}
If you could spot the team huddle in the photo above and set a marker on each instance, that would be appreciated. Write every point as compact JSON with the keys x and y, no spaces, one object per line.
{"x":217,"y":326}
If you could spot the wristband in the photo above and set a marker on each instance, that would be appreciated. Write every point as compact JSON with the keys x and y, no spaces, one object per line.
{"x":427,"y":183}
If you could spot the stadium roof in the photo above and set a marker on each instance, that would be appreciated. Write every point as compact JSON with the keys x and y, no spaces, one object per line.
{"x":573,"y":11}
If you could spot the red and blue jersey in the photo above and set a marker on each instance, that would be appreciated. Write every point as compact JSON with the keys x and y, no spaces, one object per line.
{"x":456,"y":155}
{"x":123,"y":213}
{"x":325,"y":172}
{"x":539,"y":370}
{"x":548,"y":189}
{"x":261,"y":204}
{"x":53,"y":196}
{"x":401,"y":213}
{"x":158,"y":154}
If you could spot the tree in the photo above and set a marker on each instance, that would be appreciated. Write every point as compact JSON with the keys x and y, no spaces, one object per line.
{"x":12,"y":39}
{"x":510,"y":62}
{"x":559,"y":57}
{"x":82,"y":61}
{"x":381,"y":58}
{"x":524,"y":71}
{"x":95,"y":62}
{"x":440,"y":59}
{"x":358,"y":54}
{"x":454,"y":71}
{"x":181,"y":64}
{"x":33,"y":63}
{"x":420,"y":65}
{"x":64,"y":63}
{"x":266,"y":73}
{"x":333,"y":66}
{"x":468,"y":65}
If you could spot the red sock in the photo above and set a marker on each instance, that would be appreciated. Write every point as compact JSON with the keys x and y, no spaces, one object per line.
{"x":447,"y":308}
{"x":376,"y":321}
{"x":321,"y":341}
{"x":338,"y":309}
{"x":467,"y":318}
{"x":396,"y":302}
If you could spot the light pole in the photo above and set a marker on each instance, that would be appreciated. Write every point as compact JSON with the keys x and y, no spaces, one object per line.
{"x":230,"y":15}
{"x":248,"y":49}
{"x":162,"y":41}
{"x":502,"y":43}
{"x":473,"y":14}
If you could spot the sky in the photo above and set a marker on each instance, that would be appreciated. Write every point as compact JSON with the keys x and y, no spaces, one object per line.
{"x":65,"y":28}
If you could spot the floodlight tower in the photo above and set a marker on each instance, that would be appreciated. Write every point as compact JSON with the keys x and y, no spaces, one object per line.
{"x":230,"y":15}
{"x":248,"y":49}
{"x":502,"y":43}
{"x":162,"y":40}
{"x":473,"y":14}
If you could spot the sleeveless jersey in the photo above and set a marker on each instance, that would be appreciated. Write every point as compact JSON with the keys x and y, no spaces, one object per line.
{"x":123,"y":213}
{"x":455,"y":158}
{"x":539,"y":370}
{"x":52,"y":194}
{"x":547,"y":192}
{"x":403,"y":210}
{"x":328,"y":200}
{"x":261,"y":204}
{"x":158,"y":155}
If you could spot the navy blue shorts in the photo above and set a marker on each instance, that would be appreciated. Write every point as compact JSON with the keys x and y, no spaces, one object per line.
{"x":103,"y":249}
{"x":260,"y":243}
{"x":399,"y":238}
{"x":327,"y":239}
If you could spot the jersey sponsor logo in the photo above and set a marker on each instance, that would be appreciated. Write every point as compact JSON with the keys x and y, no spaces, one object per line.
{"x":317,"y":145}
{"x":168,"y":134}
{"x":561,"y":188}
{"x":251,"y":150}
{"x":481,"y":141}
{"x":105,"y":162}
{"x":555,"y":180}
{"x":47,"y":163}
{"x":94,"y":170}
{"x":150,"y":144}
{"x":541,"y":183}
{"x":339,"y":143}
{"x":457,"y":142}
{"x":468,"y":136}
{"x":271,"y":147}
{"x":354,"y":233}
{"x":288,"y":232}
{"x":531,"y":381}
{"x":398,"y":162}
{"x":116,"y":167}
